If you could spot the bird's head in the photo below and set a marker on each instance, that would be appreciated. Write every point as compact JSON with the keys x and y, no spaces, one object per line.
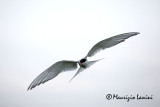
{"x":82,"y":62}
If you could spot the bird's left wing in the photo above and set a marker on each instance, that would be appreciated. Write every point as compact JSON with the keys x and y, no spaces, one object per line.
{"x":109,"y":42}
{"x":53,"y":71}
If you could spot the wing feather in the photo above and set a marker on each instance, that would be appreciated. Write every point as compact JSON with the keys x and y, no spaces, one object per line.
{"x":109,"y":42}
{"x":53,"y":71}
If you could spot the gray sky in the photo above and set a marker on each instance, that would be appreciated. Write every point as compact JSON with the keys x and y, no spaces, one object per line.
{"x":35,"y":34}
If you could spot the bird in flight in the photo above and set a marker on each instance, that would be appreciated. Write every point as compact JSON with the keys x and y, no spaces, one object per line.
{"x":64,"y":65}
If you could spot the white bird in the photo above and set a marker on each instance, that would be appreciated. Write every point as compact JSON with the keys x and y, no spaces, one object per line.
{"x":65,"y":65}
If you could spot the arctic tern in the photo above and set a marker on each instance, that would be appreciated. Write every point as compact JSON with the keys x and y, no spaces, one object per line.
{"x":65,"y":65}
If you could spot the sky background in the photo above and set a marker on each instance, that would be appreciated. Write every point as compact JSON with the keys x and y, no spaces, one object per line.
{"x":34,"y":34}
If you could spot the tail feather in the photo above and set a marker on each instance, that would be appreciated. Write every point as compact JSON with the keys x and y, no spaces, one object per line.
{"x":90,"y":63}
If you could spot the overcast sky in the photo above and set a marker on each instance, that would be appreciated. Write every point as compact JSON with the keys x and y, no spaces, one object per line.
{"x":34,"y":34}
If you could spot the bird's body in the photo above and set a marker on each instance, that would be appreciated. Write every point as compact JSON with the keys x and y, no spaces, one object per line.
{"x":62,"y":66}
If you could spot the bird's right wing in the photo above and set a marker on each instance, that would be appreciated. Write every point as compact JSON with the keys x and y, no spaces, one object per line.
{"x":53,"y":71}
{"x":109,"y":42}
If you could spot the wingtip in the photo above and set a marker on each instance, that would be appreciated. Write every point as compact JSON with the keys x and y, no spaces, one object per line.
{"x":28,"y":88}
{"x":137,"y":32}
{"x":134,"y":33}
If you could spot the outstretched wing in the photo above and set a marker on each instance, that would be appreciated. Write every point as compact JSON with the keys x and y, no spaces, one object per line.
{"x":53,"y":71}
{"x":109,"y":42}
{"x":82,"y":68}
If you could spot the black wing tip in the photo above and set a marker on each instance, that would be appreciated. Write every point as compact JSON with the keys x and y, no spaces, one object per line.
{"x":130,"y":34}
{"x":29,"y":88}
{"x":134,"y":33}
{"x":33,"y":86}
{"x":138,"y":32}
